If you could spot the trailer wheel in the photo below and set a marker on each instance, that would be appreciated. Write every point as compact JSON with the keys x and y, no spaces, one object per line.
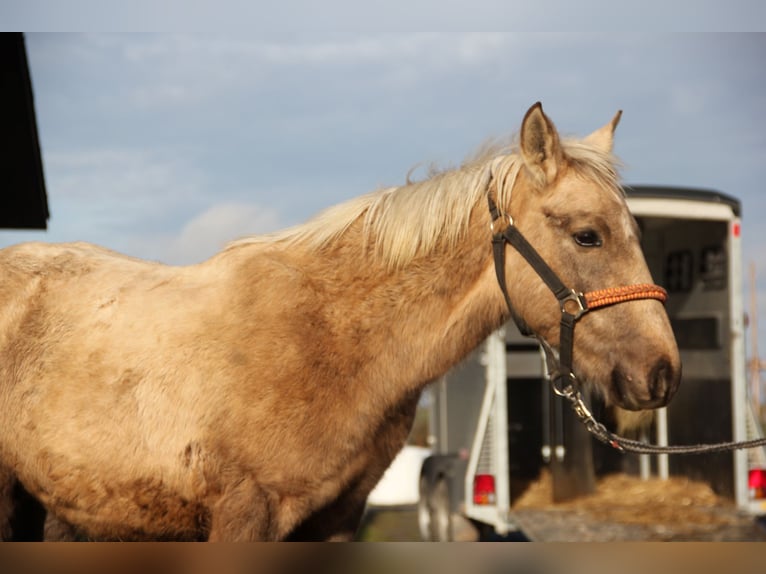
{"x":441,"y":517}
{"x":425,"y":525}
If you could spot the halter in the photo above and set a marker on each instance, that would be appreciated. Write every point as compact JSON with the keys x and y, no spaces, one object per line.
{"x":573,"y":304}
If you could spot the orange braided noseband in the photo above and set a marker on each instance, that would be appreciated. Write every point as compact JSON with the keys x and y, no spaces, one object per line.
{"x":612,"y":295}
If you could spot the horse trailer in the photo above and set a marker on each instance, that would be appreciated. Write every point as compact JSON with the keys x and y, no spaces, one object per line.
{"x":495,"y":423}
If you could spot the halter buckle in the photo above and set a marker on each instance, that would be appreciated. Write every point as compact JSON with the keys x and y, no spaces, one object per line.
{"x":502,"y":215}
{"x":574,"y":304}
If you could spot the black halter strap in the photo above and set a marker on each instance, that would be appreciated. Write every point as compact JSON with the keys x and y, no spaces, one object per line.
{"x":573,"y":304}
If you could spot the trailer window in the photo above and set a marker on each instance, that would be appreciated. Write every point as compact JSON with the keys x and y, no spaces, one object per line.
{"x":678,"y":271}
{"x":713,"y":268}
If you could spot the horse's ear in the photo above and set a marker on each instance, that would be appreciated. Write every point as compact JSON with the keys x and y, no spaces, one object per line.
{"x":603,"y":138}
{"x":540,"y":147}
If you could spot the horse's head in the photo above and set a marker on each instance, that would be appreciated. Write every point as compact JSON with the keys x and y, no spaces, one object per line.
{"x":567,"y":202}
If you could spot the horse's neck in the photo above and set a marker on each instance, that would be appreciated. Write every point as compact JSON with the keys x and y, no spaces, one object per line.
{"x":417,"y":321}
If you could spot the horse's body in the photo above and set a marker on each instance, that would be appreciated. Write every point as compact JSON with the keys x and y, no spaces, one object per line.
{"x":261,"y":394}
{"x":135,"y":432}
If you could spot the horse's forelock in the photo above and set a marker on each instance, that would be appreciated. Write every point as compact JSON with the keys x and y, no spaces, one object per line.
{"x":595,"y":164}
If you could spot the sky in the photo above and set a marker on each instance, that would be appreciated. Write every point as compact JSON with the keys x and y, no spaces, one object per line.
{"x":309,"y":17}
{"x":167,"y":141}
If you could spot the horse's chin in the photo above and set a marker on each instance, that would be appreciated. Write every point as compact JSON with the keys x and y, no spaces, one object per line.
{"x":635,"y":405}
{"x":632,"y":422}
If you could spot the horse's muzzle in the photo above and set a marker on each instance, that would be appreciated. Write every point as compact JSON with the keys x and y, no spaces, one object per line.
{"x":650,"y":392}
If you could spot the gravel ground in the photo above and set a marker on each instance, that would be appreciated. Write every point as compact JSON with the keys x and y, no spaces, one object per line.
{"x":390,"y":525}
{"x":626,"y":508}
{"x":623,"y":508}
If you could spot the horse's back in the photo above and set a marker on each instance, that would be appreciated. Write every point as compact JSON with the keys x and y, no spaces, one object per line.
{"x":71,"y":393}
{"x":42,"y":257}
{"x":39,"y":279}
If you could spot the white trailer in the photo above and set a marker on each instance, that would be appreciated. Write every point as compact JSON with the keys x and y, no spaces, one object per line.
{"x":494,"y":423}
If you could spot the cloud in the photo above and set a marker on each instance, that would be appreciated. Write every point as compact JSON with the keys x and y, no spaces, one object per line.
{"x":108,"y":187}
{"x":168,"y":70}
{"x":131,"y":200}
{"x":122,"y":173}
{"x":207,"y":233}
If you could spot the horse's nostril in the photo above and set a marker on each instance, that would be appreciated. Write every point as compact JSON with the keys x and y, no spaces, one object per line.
{"x":654,"y":391}
{"x":663,"y":381}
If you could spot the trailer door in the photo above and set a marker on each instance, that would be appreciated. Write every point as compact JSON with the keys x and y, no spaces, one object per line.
{"x":692,"y":248}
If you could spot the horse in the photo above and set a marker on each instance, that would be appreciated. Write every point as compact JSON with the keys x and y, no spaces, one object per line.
{"x":261,"y":394}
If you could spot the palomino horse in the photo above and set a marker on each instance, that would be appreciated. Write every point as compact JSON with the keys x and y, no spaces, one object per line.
{"x":261,"y":394}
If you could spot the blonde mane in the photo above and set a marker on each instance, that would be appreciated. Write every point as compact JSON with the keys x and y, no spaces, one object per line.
{"x":407,"y":221}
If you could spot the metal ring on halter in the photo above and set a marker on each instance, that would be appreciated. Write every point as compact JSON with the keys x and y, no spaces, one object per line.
{"x":507,"y":216}
{"x":578,"y":299}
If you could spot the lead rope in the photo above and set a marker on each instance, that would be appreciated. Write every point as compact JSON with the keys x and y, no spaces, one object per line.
{"x":623,"y":444}
{"x":573,"y":306}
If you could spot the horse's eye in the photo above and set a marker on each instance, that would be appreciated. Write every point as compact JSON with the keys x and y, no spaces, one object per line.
{"x":588,"y":238}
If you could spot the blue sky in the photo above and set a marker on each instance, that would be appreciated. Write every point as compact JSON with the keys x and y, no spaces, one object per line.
{"x":308,"y":17}
{"x":166,"y":145}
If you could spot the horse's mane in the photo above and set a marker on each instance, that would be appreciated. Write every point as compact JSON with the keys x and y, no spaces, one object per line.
{"x":407,"y":221}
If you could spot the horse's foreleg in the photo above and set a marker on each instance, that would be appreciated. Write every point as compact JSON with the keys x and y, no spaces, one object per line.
{"x":338,"y":521}
{"x":56,"y":530}
{"x":347,"y":529}
{"x":22,"y":517}
{"x":7,"y":482}
{"x":243,"y":513}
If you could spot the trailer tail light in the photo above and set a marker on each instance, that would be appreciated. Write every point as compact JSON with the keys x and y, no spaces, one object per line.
{"x":757,"y":483}
{"x":484,"y":489}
